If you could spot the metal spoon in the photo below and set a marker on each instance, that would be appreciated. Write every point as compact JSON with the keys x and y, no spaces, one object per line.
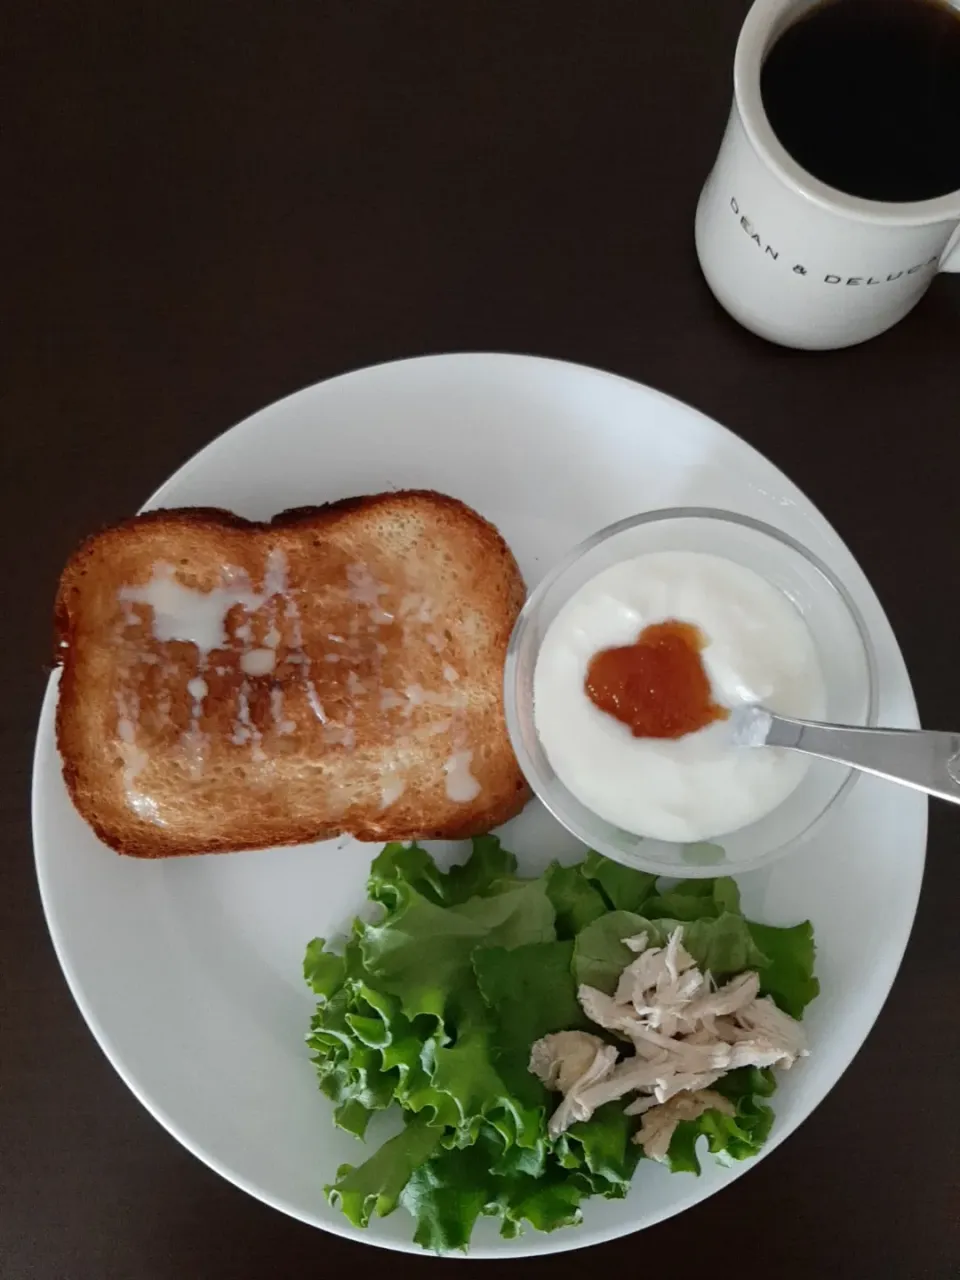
{"x":917,"y":758}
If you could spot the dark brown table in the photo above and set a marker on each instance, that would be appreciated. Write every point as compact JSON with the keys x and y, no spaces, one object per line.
{"x":212,"y":205}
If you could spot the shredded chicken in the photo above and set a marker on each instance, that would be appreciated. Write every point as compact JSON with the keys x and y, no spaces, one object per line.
{"x":571,"y":1062}
{"x":686,"y":1033}
{"x":561,"y":1059}
{"x":660,"y":1121}
{"x":736,"y":995}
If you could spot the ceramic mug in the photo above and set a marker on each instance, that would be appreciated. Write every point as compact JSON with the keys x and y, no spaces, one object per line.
{"x":792,"y":259}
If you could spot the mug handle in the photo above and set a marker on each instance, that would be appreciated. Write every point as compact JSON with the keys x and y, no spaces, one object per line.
{"x":951,"y":254}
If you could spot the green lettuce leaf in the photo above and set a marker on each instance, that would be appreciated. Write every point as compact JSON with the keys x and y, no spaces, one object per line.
{"x":489,"y":869}
{"x":575,"y":900}
{"x":447,"y":1194}
{"x":599,"y":956}
{"x":547,"y":1203}
{"x":470,"y":1071}
{"x":623,"y":888}
{"x":353,"y":1117}
{"x":531,"y":989}
{"x":376,"y":1185}
{"x":695,"y":900}
{"x":350,"y":1069}
{"x":421,"y":952}
{"x":604,"y":1145}
{"x":729,"y":1137}
{"x":401,"y":864}
{"x":726,"y":895}
{"x":788,"y":977}
{"x":486,"y":871}
{"x":532,"y":993}
{"x":450,"y":1191}
{"x":724,"y":946}
{"x":323,"y":971}
{"x":746,"y":1082}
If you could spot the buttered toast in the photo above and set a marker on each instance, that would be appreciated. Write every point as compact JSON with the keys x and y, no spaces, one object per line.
{"x":232,"y":685}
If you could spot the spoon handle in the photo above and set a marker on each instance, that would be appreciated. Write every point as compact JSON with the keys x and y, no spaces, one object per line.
{"x":918,"y":758}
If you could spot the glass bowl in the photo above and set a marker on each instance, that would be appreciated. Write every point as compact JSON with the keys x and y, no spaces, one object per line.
{"x":839,"y":634}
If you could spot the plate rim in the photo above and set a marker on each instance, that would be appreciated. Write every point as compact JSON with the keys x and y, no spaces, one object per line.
{"x":562,"y":1242}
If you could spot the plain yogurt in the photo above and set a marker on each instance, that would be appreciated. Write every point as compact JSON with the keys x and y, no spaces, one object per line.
{"x":758,"y":650}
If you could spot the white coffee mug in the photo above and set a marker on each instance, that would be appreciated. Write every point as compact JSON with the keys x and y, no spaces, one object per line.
{"x":792,"y":259}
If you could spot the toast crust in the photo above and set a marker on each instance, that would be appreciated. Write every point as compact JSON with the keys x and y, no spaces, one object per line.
{"x":351,"y":684}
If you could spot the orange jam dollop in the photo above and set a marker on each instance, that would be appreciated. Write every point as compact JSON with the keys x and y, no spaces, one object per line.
{"x":657,"y":686}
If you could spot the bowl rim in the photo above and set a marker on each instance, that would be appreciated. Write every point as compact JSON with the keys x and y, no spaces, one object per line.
{"x":556,"y":573}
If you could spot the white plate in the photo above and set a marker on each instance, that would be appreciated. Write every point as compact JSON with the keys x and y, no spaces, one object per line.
{"x":188,"y":970}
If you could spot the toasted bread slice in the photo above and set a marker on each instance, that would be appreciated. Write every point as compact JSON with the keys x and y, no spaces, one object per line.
{"x":232,"y":685}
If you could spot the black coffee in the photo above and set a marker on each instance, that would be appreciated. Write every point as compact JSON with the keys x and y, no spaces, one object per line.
{"x":865,"y":95}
